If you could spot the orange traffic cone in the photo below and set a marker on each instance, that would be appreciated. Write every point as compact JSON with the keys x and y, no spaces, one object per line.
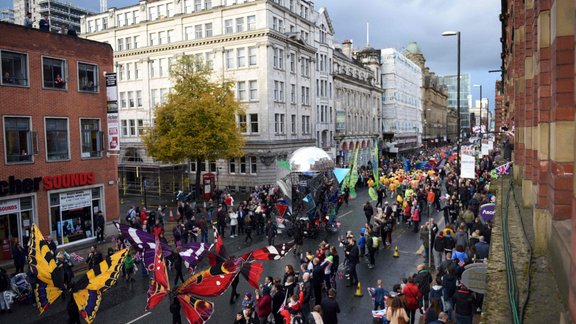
{"x":396,"y":252}
{"x":358,"y":292}
{"x":171,"y":215}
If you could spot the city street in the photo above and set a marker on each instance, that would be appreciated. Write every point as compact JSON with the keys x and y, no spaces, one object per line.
{"x":125,"y":303}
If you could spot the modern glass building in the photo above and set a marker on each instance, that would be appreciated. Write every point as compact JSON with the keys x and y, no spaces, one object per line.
{"x":450,"y":82}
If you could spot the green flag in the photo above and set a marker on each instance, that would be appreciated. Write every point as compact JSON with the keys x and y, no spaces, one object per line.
{"x":285,"y":164}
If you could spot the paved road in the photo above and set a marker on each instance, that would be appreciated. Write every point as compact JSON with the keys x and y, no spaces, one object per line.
{"x":125,"y":303}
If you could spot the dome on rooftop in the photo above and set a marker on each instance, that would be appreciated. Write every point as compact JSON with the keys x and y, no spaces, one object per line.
{"x":413,"y":48}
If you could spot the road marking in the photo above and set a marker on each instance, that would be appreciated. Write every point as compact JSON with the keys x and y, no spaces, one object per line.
{"x":139,"y":318}
{"x":344,"y":214}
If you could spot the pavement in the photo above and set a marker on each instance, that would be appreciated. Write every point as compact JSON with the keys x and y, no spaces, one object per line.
{"x":125,"y":303}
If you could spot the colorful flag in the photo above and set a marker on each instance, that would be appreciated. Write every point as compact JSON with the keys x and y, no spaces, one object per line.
{"x":503,"y":169}
{"x":285,"y":164}
{"x":341,"y":173}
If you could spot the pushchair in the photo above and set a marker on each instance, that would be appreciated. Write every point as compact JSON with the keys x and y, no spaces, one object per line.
{"x":21,"y":288}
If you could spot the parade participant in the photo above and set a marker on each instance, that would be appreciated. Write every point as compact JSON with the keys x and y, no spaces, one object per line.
{"x":94,"y":258}
{"x":352,"y":260}
{"x":263,"y":304}
{"x":368,"y":211}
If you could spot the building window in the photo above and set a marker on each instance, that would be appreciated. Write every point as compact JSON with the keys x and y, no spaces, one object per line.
{"x":137,"y":73}
{"x":91,"y":138}
{"x":132,"y":127}
{"x":229,"y":59}
{"x":140,"y":124}
{"x":293,"y":124}
{"x":305,"y":125}
{"x":170,"y":9}
{"x":278,"y":58}
{"x":242,"y":123}
{"x":136,"y":38}
{"x":130,"y":97}
{"x":241,"y":57}
{"x":241,"y":90}
{"x":293,"y":93}
{"x":57,"y":139}
{"x":292,"y":62}
{"x":239,"y":24}
{"x":278,"y":91}
{"x":243,"y":165}
{"x":17,"y":139}
{"x":198,"y":31}
{"x":232,"y":166}
{"x":208,"y":29}
{"x":14,"y":68}
{"x":197,"y":5}
{"x":253,"y":165}
{"x":253,"y":87}
{"x":251,"y":22}
{"x":208,"y":4}
{"x":122,"y":99}
{"x":279,"y":123}
{"x":253,"y":123}
{"x":252,"y":56}
{"x":139,"y":98}
{"x":88,"y":77}
{"x":124,"y":126}
{"x":212,"y":166}
{"x":228,"y":26}
{"x":54,"y":73}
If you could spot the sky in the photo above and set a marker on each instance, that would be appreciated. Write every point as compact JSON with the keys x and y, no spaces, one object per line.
{"x":395,"y":23}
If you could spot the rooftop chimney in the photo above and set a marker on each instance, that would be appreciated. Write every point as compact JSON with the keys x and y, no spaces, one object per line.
{"x":347,"y":48}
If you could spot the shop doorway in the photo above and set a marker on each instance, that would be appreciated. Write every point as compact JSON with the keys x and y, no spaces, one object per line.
{"x":8,"y":231}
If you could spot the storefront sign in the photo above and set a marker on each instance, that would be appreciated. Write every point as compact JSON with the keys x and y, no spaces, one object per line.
{"x":75,"y":199}
{"x":9,"y":206}
{"x":16,"y":186}
{"x":487,"y":211}
{"x":468,"y":165}
{"x":28,"y":185}
{"x":113,"y":133}
{"x":112,"y":92}
{"x":68,"y":180}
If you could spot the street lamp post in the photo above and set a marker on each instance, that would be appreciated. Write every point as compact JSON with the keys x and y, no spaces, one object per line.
{"x":480,"y":123}
{"x":457,"y":33}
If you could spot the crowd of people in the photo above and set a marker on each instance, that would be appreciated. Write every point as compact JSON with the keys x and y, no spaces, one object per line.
{"x":405,"y":197}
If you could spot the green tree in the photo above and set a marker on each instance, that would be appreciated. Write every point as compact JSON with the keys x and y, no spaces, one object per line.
{"x":198,"y":120}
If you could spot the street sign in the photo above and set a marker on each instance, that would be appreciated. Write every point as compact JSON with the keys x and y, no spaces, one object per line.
{"x":474,"y":277}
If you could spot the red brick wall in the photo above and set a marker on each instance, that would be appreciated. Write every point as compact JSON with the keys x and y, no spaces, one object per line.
{"x":37,"y":102}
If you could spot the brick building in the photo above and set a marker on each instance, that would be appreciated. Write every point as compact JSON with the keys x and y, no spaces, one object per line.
{"x":499,"y":108}
{"x":538,"y":64}
{"x":55,"y":169}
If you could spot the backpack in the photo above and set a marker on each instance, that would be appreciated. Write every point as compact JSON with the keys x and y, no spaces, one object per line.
{"x":128,"y":215}
{"x":297,"y":319}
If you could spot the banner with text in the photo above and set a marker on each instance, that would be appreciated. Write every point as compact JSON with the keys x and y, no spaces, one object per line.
{"x":113,"y":133}
{"x":75,"y":199}
{"x":112,"y":92}
{"x":467,"y":166}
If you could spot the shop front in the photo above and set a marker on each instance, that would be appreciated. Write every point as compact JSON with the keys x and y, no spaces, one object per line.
{"x":16,"y":216}
{"x":72,"y":213}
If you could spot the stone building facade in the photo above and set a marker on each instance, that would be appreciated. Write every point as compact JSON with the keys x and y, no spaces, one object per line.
{"x":436,"y":114}
{"x":268,"y":47}
{"x":357,"y":101}
{"x":539,"y":87}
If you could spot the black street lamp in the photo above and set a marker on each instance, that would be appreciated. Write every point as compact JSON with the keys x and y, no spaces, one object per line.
{"x":457,"y":33}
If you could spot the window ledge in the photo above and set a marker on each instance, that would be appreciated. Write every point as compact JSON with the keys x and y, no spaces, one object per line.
{"x":14,"y":85}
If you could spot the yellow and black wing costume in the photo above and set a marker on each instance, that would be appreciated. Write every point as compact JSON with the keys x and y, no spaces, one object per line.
{"x":87,"y":291}
{"x":42,"y":264}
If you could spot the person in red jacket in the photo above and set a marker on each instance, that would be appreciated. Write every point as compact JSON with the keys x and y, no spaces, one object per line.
{"x":263,"y":304}
{"x":412,"y":295}
{"x":293,"y":308}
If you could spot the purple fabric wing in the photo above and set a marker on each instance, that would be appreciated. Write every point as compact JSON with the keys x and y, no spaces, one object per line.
{"x":143,"y":242}
{"x":192,"y":253}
